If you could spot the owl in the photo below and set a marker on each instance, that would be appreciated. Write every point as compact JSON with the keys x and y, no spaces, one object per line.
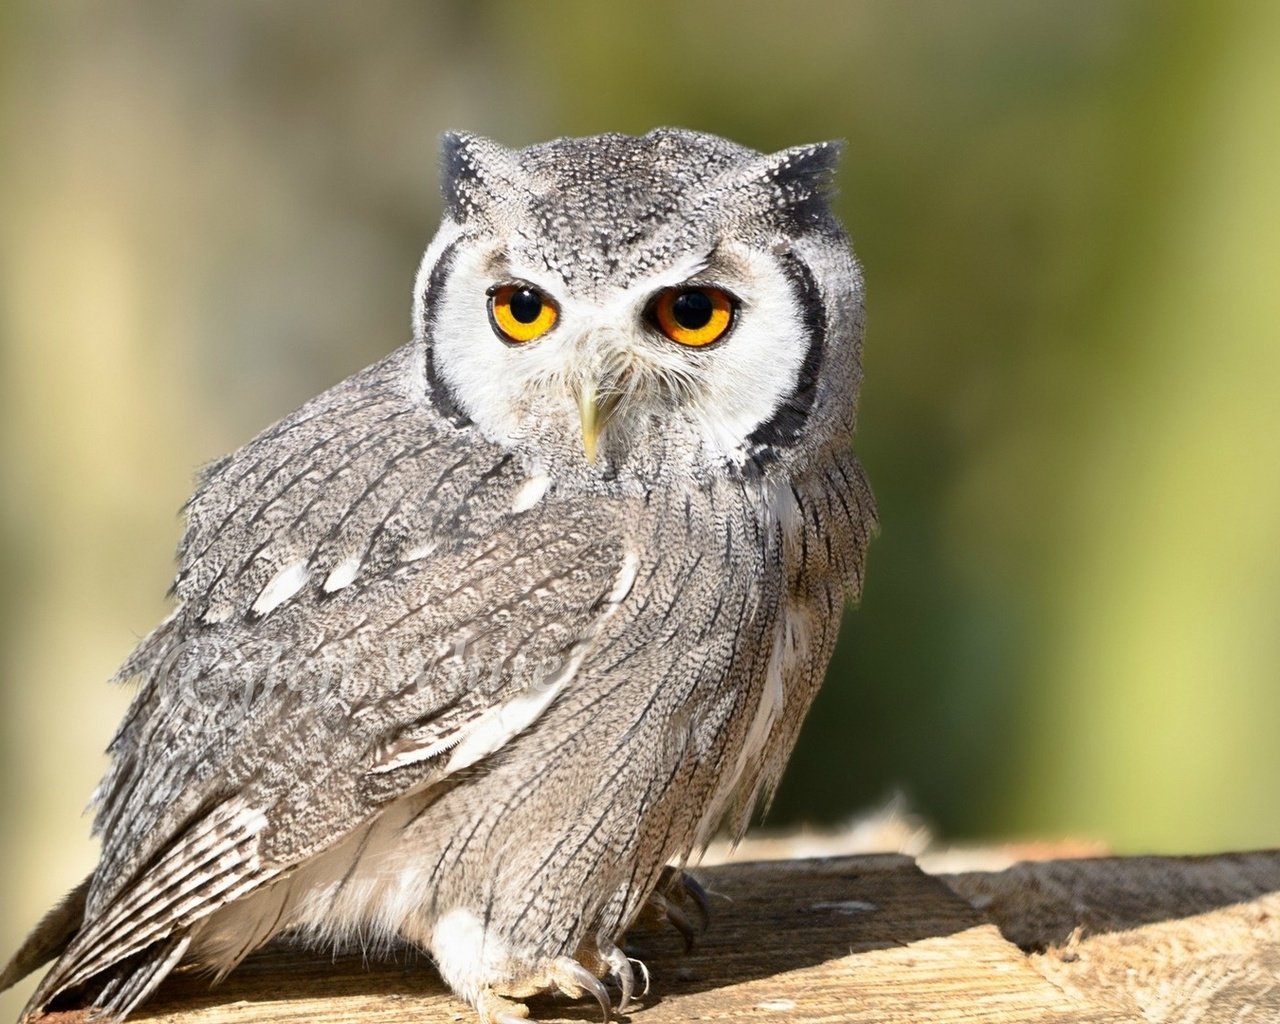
{"x":477,"y":649}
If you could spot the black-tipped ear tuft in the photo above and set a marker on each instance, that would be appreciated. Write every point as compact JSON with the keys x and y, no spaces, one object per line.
{"x":474,"y":172}
{"x":802,"y":175}
{"x":789,"y":188}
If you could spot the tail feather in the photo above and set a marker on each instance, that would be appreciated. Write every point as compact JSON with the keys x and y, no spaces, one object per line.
{"x":183,"y":888}
{"x":146,"y":929}
{"x":133,"y":989}
{"x":100,"y":948}
{"x":49,"y":938}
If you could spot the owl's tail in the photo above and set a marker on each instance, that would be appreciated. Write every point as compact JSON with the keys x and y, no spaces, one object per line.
{"x":49,"y":938}
{"x":143,"y":930}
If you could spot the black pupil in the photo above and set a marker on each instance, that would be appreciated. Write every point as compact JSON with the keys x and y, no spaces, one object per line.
{"x":525,"y":305}
{"x":692,"y":310}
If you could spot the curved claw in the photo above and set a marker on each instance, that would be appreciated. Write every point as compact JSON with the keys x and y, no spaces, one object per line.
{"x":620,"y":967}
{"x":678,"y":892}
{"x":574,"y":980}
{"x":699,"y":896}
{"x":680,"y":921}
{"x":644,"y":973}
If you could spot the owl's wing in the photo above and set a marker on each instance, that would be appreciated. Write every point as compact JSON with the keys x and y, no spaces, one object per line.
{"x":371,"y":598}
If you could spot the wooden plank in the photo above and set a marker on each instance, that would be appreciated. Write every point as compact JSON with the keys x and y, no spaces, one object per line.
{"x":859,"y":939}
{"x":865,"y":939}
{"x":1171,"y":939}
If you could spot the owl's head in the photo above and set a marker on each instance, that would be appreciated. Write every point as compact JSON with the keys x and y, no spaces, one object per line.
{"x":612,"y":304}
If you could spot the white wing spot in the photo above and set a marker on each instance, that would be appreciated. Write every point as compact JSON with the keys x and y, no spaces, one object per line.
{"x":419,"y":551}
{"x":282,"y":586}
{"x":500,"y":723}
{"x":626,"y":578}
{"x":216,"y":614}
{"x":343,"y":574}
{"x":531,"y":492}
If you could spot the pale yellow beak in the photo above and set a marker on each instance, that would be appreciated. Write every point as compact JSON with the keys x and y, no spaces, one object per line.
{"x":594,"y":411}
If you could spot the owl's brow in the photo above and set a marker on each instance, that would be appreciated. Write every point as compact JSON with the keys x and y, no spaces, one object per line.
{"x":720,"y":263}
{"x":715,"y":263}
{"x":497,"y":264}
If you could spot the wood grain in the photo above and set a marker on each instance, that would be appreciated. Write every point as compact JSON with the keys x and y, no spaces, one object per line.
{"x":1183,"y":940}
{"x":866,"y":939}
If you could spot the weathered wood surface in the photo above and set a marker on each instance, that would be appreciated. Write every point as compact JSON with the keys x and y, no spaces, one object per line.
{"x":868,"y":939}
{"x":1157,"y":938}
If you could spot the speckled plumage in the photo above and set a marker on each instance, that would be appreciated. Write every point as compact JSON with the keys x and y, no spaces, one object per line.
{"x":435,"y":676}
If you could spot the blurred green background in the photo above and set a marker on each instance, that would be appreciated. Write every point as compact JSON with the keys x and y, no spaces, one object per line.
{"x":1069,"y":215}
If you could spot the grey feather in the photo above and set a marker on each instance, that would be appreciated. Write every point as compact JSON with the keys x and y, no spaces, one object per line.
{"x":439,"y":674}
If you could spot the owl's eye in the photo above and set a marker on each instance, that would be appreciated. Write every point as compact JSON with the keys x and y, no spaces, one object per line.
{"x":520,"y":313}
{"x":693,"y":316}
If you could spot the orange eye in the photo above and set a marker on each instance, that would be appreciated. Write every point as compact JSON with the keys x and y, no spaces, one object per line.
{"x":520,"y":313}
{"x":694,"y":316}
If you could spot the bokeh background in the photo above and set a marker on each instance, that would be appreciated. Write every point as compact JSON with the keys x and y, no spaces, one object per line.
{"x":1069,"y":215}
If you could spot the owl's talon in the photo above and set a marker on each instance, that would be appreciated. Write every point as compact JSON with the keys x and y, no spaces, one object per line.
{"x":682,"y":887}
{"x":498,"y":1002}
{"x":680,"y":921}
{"x":679,"y":892}
{"x":644,"y":973}
{"x":574,"y":980}
{"x":620,"y":967}
{"x":698,"y":896}
{"x":678,"y":900}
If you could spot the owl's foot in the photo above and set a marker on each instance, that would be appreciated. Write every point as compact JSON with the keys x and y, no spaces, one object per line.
{"x":680,"y":901}
{"x":561,"y":974}
{"x":496,"y":1009}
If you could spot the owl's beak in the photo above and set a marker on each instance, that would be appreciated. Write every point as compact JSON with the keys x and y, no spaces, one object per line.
{"x":594,"y":410}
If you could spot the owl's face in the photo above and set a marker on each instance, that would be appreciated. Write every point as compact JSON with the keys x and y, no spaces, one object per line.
{"x":616,"y":302}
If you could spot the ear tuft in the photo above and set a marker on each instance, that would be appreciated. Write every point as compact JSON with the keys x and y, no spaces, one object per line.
{"x":788,"y":189}
{"x":801,"y":177}
{"x":474,"y":173}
